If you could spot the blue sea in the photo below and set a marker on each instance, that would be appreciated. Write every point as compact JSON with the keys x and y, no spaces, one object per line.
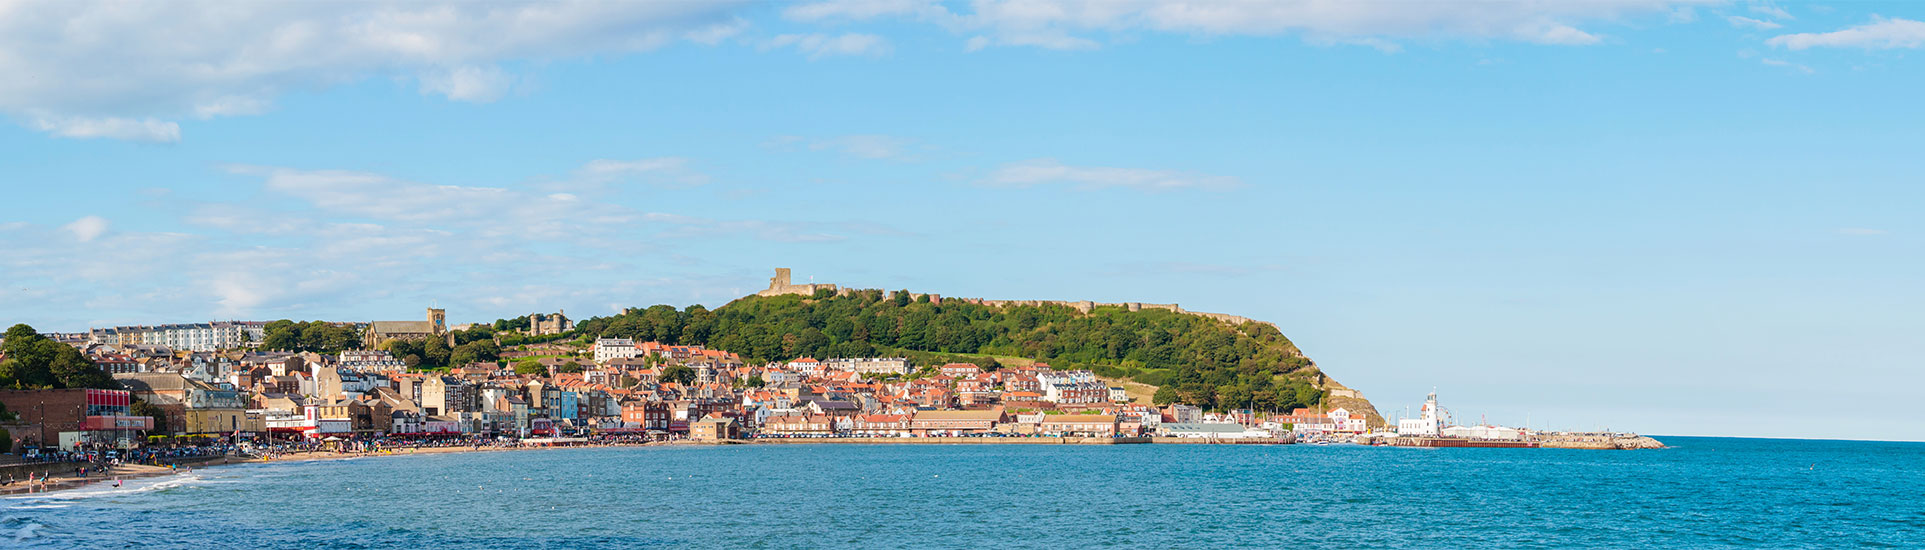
{"x":1702,"y":493}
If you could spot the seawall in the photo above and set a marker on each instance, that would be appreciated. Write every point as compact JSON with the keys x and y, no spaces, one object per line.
{"x":962,"y":440}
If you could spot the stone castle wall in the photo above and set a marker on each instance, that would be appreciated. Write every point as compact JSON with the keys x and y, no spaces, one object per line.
{"x":780,"y":285}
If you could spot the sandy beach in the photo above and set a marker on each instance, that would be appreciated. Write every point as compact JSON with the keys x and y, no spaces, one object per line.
{"x":61,"y":482}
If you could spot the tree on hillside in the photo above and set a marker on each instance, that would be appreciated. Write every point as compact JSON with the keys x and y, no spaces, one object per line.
{"x":1191,"y":359}
{"x":314,"y":336}
{"x":987,"y":363}
{"x":474,"y":352}
{"x":678,"y":374}
{"x":471,"y":334}
{"x":509,"y":325}
{"x":570,"y":367}
{"x":531,"y":366}
{"x":1164,"y":396}
{"x":34,"y":362}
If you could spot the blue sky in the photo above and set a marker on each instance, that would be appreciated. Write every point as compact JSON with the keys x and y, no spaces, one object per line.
{"x":1668,"y":217}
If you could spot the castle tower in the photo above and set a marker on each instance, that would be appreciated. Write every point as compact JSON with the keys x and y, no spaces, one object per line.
{"x":781,"y":278}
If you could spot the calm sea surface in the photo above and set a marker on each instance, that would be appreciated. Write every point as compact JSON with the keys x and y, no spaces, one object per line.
{"x":1704,"y":493}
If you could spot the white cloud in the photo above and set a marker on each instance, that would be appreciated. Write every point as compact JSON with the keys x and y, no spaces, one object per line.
{"x":471,"y":84}
{"x":818,"y":46}
{"x":863,"y":9}
{"x":1050,"y":172}
{"x":1787,"y":64}
{"x":1771,"y":11}
{"x":660,"y":171}
{"x":106,"y":68}
{"x":87,"y":228}
{"x":868,"y":146}
{"x":1058,"y":24}
{"x":1881,"y":33}
{"x":1742,"y":21}
{"x":452,"y":214}
{"x":146,"y":129}
{"x":231,"y":106}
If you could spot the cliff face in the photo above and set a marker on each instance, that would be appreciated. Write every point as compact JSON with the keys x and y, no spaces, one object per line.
{"x":1218,"y":359}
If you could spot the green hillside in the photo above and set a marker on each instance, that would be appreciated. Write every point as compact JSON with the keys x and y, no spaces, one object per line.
{"x":1192,"y":359}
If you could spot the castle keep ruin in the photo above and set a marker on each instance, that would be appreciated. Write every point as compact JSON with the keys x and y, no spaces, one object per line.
{"x":779,"y":285}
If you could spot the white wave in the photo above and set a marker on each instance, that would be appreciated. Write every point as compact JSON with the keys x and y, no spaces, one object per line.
{"x":28,"y":531}
{"x":105,"y":489}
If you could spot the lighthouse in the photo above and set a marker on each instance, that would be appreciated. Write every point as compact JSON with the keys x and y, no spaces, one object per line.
{"x":1425,"y":426}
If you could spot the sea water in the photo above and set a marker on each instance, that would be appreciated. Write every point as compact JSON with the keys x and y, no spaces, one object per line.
{"x":1702,"y":493}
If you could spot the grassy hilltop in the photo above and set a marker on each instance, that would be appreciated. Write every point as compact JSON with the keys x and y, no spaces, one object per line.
{"x":1187,"y":358}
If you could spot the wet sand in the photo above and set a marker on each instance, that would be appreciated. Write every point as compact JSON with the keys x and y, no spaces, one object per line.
{"x":68,"y":481}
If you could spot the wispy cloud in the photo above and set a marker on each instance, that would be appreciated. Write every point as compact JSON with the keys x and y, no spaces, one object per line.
{"x":471,"y":84}
{"x":818,"y":46}
{"x":659,"y":172}
{"x":1747,"y":22}
{"x":1861,"y":231}
{"x":1047,"y":171}
{"x":1071,"y":24}
{"x":127,"y":70}
{"x":1787,"y":64}
{"x":87,"y":228}
{"x":130,"y":129}
{"x":868,"y":146}
{"x":311,"y":241}
{"x":1771,"y":11}
{"x":1880,"y":34}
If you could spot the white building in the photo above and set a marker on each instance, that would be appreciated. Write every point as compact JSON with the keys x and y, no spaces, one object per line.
{"x":1425,"y":426}
{"x":1072,"y":386}
{"x":808,"y":366}
{"x":607,"y":349}
{"x":1342,"y":422}
{"x":870,"y":365}
{"x":212,"y":336}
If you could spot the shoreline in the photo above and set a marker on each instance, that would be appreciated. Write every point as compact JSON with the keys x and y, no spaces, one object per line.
{"x":127,"y":472}
{"x":142,"y":471}
{"x":124,"y":472}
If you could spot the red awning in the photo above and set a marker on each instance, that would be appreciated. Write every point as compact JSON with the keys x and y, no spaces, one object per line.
{"x":110,"y":423}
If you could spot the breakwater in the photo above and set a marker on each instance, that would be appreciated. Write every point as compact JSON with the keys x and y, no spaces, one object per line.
{"x":1598,"y":441}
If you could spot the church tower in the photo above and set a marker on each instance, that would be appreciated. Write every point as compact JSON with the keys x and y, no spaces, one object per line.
{"x":438,"y":320}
